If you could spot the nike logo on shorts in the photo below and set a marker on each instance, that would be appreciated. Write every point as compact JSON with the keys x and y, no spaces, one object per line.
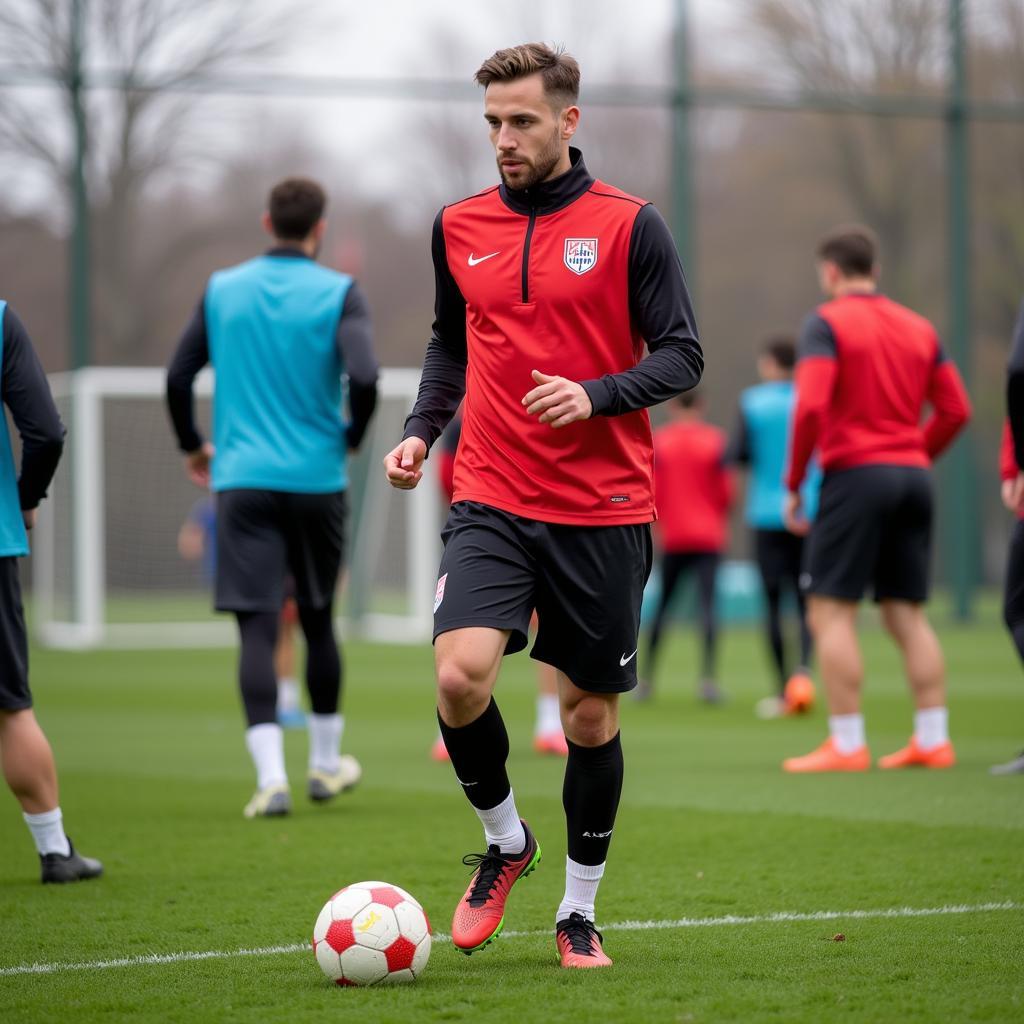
{"x":626,"y":659}
{"x":474,"y":260}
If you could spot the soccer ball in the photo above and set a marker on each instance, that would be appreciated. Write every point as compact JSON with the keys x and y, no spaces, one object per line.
{"x":371,"y":932}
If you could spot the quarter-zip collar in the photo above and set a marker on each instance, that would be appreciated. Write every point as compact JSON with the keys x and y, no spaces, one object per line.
{"x":553,"y":194}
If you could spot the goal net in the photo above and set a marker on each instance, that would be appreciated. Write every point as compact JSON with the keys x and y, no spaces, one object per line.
{"x":111,"y":565}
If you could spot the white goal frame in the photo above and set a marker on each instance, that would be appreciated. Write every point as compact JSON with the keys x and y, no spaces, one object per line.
{"x":87,"y":625}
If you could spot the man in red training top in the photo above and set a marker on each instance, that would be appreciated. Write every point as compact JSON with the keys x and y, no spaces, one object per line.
{"x":548,"y":287}
{"x":694,"y":489}
{"x":1011,"y":459}
{"x":868,"y":366}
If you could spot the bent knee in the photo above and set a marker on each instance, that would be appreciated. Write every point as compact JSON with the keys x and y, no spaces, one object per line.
{"x":591,"y":721}
{"x":459,"y":683}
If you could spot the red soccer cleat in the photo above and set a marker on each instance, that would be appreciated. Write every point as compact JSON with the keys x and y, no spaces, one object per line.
{"x":799,"y":694}
{"x":551,"y":743}
{"x":579,"y":943}
{"x":439,"y":752}
{"x":480,"y":915}
{"x":912,"y":756}
{"x":827,"y":759}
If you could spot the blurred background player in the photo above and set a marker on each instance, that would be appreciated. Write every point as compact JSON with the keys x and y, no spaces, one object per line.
{"x":197,"y":542}
{"x":693,"y":490}
{"x":280,"y":331}
{"x":25,"y":753}
{"x":868,"y":366}
{"x":1010,"y":462}
{"x":759,"y":443}
{"x":548,"y":737}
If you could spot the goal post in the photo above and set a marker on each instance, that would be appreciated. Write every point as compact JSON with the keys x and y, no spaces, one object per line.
{"x":106,"y":565}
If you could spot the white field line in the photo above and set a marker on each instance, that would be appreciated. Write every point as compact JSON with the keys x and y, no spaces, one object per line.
{"x":781,"y":917}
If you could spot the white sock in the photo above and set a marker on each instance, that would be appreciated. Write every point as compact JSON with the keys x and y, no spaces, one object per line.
{"x":548,"y":717}
{"x":847,"y":732}
{"x":502,"y":827}
{"x":287,"y":695}
{"x":48,"y":832}
{"x":581,"y":882}
{"x":266,"y":747}
{"x":931,"y":727}
{"x":325,"y":741}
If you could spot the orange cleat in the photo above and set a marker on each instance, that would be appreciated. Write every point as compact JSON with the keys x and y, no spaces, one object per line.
{"x":912,"y":756}
{"x":579,"y":943}
{"x":551,"y":743}
{"x":799,"y":694}
{"x":439,"y":752}
{"x":480,"y":915}
{"x":827,"y":759}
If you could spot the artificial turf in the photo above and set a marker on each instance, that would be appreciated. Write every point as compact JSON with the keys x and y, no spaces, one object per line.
{"x":154,"y":775}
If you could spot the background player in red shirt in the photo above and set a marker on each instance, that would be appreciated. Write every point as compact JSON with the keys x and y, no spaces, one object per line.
{"x":694,"y":490}
{"x":868,"y":367}
{"x":1011,"y":459}
{"x":547,"y":289}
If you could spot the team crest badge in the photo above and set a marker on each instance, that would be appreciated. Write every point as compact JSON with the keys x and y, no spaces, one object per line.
{"x":580,"y":254}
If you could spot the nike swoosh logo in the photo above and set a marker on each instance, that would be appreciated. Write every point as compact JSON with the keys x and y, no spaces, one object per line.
{"x":624,"y":660}
{"x":474,"y":260}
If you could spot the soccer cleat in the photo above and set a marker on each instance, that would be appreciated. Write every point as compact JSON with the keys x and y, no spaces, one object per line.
{"x":323,"y":786}
{"x":270,"y":802}
{"x":579,"y":943}
{"x":710,"y":692}
{"x":827,"y":759}
{"x":480,"y":915}
{"x":799,"y":694}
{"x":1012,"y":767}
{"x":439,"y":752}
{"x":293,"y":718}
{"x":770,"y":707}
{"x":912,"y":756}
{"x":552,"y":742}
{"x":73,"y":868}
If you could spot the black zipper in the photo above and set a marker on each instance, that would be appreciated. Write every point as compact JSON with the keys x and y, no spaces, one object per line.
{"x":526,"y":255}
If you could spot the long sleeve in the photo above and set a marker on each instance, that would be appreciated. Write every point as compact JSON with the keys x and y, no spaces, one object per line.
{"x":951,"y":408}
{"x":816,"y":375}
{"x":661,"y":309}
{"x":1015,"y":388}
{"x":737,"y":452}
{"x":1008,"y":467}
{"x":192,"y":354}
{"x":443,"y":381}
{"x":355,"y":346}
{"x":26,"y":392}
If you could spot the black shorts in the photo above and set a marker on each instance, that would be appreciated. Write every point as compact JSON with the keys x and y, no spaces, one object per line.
{"x":262,"y":536}
{"x":14,"y":691}
{"x":585,"y":582}
{"x":874,"y":525}
{"x":780,"y":557}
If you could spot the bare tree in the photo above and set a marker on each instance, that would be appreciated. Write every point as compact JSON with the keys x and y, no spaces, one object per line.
{"x":140,"y":125}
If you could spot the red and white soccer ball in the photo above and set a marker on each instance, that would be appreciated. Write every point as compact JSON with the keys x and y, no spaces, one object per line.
{"x":372,"y":932}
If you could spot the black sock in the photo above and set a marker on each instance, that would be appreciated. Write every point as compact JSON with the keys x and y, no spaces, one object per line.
{"x":590,"y":796}
{"x":323,"y":661}
{"x":256,"y":676}
{"x":479,"y":752}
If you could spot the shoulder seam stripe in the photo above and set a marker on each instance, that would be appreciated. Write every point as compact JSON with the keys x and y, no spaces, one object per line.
{"x":476,"y":195}
{"x":628,"y":199}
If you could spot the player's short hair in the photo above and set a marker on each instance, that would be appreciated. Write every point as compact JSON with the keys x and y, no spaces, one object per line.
{"x":781,"y":348}
{"x":559,"y":70}
{"x":853,"y":248}
{"x":295,"y":206}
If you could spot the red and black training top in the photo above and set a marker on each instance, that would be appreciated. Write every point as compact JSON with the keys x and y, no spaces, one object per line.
{"x":571,"y":277}
{"x":867,"y":368}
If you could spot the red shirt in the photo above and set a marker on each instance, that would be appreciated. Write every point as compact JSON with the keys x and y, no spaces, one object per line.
{"x":694,"y":488}
{"x":570,"y":277}
{"x":868,"y":366}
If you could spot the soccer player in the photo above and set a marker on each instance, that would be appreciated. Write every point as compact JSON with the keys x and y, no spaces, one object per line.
{"x":868,"y":366}
{"x":694,"y":489}
{"x":548,"y":737}
{"x":280,"y":331}
{"x":547,"y":287}
{"x":1010,"y":463}
{"x":25,"y":754}
{"x":759,"y":443}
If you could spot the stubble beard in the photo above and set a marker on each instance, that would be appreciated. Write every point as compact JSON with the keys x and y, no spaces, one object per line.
{"x":534,"y":171}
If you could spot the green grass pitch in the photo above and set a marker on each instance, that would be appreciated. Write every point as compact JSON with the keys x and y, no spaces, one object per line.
{"x":154,"y":776}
